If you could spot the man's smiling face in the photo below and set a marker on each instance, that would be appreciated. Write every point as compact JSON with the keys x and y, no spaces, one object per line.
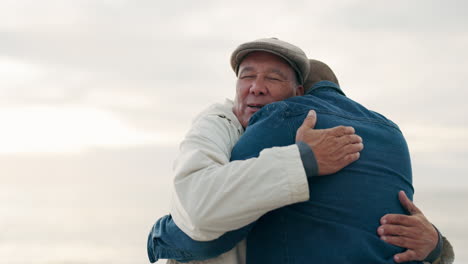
{"x":263,"y":78}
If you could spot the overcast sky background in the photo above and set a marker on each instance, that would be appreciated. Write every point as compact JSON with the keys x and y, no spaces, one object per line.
{"x":96,"y":95}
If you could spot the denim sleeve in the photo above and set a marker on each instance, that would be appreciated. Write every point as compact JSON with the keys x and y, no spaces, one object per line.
{"x":167,"y":241}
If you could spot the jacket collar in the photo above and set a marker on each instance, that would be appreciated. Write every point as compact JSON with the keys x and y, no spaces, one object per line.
{"x":326,"y":84}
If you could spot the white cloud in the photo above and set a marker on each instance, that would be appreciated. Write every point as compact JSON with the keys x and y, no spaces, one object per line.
{"x":151,"y":66}
{"x":68,"y":129}
{"x":430,"y":138}
{"x":16,"y":73}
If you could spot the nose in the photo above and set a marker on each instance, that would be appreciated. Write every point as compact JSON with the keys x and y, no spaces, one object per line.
{"x":258,"y":87}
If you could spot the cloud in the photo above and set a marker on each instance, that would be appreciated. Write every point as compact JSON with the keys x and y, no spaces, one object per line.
{"x":67,"y":129}
{"x":407,"y":16}
{"x":153,"y":65}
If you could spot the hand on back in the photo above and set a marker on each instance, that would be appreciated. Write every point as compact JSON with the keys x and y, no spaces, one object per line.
{"x":334,"y":148}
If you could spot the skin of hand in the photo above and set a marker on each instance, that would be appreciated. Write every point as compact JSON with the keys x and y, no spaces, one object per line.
{"x":334,"y":148}
{"x":413,"y":232}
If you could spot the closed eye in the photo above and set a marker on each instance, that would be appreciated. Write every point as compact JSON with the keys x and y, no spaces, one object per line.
{"x":274,"y":79}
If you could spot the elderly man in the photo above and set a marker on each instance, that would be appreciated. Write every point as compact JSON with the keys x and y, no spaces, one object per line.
{"x":263,"y":74}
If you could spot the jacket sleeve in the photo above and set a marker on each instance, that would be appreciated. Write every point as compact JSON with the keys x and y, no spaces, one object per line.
{"x":447,"y":255}
{"x":213,"y":196}
{"x":167,"y":241}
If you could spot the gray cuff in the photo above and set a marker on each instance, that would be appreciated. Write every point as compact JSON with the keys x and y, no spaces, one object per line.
{"x":437,"y":250}
{"x":308,"y":159}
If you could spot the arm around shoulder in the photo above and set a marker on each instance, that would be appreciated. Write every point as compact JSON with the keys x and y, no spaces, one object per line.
{"x":167,"y":241}
{"x":213,"y":196}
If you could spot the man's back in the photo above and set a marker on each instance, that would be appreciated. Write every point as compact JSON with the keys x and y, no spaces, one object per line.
{"x":338,"y":223}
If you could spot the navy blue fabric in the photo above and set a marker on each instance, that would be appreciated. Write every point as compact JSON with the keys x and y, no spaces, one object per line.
{"x":339,"y":222}
{"x":167,"y":241}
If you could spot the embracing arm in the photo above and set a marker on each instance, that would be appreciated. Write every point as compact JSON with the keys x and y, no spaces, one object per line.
{"x":213,"y":195}
{"x":214,"y":175}
{"x":167,"y":241}
{"x":414,"y":232}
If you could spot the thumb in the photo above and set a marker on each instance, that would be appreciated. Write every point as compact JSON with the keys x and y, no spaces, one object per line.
{"x":408,"y":255}
{"x":407,"y":204}
{"x":310,"y":120}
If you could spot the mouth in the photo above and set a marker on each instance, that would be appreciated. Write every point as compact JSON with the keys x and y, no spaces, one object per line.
{"x":256,"y":106}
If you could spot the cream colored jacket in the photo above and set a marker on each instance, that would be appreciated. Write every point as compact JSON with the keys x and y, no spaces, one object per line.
{"x":212,"y":195}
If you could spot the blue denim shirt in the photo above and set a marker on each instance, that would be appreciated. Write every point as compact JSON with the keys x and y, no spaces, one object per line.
{"x":167,"y":241}
{"x":339,"y":222}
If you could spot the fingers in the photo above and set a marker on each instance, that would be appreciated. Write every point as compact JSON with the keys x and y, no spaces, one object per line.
{"x":398,"y":219}
{"x":352,"y":148}
{"x":349,"y":139}
{"x":418,"y":245}
{"x":397,"y":230}
{"x":413,"y":232}
{"x":403,"y":242}
{"x":310,"y":120}
{"x":407,"y":204}
{"x":334,"y":148}
{"x":408,"y":255}
{"x":350,"y":158}
{"x":348,"y":154}
{"x":342,"y":130}
{"x":348,"y":148}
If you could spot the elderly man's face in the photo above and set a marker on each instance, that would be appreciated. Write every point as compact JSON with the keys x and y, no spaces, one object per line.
{"x":263,"y":78}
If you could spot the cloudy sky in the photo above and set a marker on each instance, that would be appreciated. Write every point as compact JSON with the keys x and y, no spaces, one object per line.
{"x":90,"y":84}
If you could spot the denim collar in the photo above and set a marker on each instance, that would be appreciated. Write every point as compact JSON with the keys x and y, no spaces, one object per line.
{"x":325,"y":84}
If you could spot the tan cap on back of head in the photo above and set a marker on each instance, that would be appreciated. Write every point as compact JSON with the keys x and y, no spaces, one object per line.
{"x":292,"y":54}
{"x":319,"y":71}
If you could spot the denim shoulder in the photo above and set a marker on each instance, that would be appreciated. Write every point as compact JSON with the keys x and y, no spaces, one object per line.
{"x":387,"y":121}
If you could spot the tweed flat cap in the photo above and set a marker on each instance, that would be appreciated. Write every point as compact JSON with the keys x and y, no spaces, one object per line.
{"x":292,"y":54}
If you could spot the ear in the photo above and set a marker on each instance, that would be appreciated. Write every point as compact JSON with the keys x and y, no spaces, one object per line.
{"x":300,"y":90}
